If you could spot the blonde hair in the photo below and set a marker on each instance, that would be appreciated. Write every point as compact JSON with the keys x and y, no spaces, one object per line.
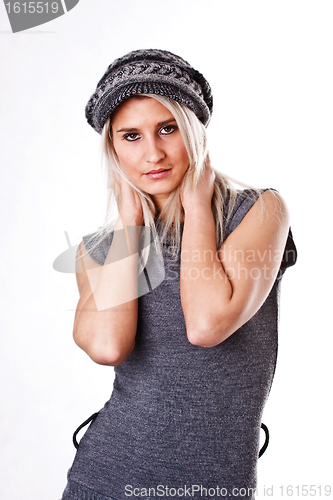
{"x":194,"y":136}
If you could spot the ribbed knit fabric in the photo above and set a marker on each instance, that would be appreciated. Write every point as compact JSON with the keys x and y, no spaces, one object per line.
{"x":149,"y":71}
{"x":181,"y":415}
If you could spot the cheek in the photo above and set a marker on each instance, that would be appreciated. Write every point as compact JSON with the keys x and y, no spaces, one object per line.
{"x":126,"y":158}
{"x":182,"y":154}
{"x":180,"y":149}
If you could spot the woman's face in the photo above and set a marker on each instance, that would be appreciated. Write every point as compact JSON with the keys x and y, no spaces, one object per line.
{"x":146,"y":137}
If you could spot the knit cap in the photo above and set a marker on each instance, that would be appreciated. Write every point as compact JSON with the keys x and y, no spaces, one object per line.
{"x":150,"y":71}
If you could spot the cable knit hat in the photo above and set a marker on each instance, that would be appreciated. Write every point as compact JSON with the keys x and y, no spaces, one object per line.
{"x":149,"y":71}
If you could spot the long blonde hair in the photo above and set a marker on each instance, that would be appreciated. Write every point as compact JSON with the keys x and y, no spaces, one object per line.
{"x":194,"y":136}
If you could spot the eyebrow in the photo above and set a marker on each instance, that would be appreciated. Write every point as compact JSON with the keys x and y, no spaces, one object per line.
{"x":160,"y":124}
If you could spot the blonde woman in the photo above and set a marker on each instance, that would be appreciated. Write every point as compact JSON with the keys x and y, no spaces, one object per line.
{"x":180,"y":296}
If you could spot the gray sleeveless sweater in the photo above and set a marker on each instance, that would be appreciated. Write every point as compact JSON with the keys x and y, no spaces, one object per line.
{"x":183,"y":421}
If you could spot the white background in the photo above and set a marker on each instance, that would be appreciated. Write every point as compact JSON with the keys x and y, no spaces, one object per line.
{"x":270,"y":67}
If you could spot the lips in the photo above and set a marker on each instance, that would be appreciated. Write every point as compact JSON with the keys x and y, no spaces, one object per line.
{"x":157,"y":171}
{"x":158,"y":174}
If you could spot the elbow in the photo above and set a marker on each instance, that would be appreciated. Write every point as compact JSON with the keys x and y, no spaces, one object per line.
{"x":106,"y":357}
{"x":101,"y":353}
{"x":210,"y":336}
{"x":203,"y":339}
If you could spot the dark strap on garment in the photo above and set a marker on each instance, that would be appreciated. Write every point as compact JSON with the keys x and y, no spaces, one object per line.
{"x":264,"y":446}
{"x":76,"y":444}
{"x":94,"y":415}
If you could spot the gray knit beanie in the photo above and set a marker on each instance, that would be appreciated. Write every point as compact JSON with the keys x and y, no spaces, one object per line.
{"x":149,"y":71}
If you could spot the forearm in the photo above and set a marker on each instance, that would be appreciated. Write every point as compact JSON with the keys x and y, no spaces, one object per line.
{"x":204,"y":286}
{"x":106,"y":323}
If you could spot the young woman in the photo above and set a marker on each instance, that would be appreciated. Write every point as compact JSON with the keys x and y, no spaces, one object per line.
{"x":180,"y":296}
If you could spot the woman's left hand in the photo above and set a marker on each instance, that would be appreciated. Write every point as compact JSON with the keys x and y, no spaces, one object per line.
{"x":204,"y":191}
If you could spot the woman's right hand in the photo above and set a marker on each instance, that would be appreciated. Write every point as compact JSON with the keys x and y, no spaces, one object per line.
{"x":129,"y":207}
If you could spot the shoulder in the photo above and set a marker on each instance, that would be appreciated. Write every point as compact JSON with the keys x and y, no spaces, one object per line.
{"x":237,"y":207}
{"x":263,"y":208}
{"x":274,"y":201}
{"x":261,"y":218}
{"x":270,"y":208}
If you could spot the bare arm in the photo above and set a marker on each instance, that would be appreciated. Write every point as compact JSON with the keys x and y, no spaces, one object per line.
{"x":220,"y":291}
{"x":105,"y":322}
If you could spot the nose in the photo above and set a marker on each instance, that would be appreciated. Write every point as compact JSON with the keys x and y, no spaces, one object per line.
{"x":154,"y":151}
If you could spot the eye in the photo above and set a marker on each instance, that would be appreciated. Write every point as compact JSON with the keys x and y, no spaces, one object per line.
{"x":169,"y":129}
{"x":131,"y":137}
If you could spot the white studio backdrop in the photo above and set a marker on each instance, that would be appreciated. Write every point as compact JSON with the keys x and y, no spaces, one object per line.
{"x":270,"y":68}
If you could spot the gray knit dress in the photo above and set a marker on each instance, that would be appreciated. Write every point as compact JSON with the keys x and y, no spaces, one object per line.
{"x":183,"y":421}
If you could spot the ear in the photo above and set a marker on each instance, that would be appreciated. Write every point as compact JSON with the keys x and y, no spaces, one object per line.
{"x":110,"y":133}
{"x":108,"y":125}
